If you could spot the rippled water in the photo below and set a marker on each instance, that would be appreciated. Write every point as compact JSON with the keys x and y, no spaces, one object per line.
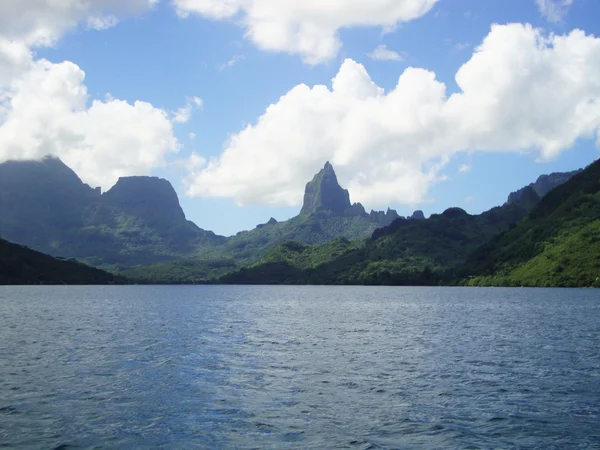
{"x":299,"y":367}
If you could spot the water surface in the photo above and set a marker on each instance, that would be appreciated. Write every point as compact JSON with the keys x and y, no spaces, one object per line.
{"x":299,"y":367}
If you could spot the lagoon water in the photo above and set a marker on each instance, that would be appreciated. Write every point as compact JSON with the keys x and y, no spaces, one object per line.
{"x":299,"y":367}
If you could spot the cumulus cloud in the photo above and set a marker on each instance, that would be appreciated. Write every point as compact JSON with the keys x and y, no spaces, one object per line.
{"x":183,"y":115}
{"x":192,"y":162}
{"x":45,"y":111}
{"x":520,"y":91}
{"x":383,"y":53}
{"x":305,"y":27}
{"x":42,"y":22}
{"x":45,"y":108}
{"x":464,"y":168}
{"x":102,"y":22}
{"x":554,"y":10}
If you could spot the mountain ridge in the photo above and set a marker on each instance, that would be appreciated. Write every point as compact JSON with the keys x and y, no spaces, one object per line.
{"x":414,"y":251}
{"x":140,"y":222}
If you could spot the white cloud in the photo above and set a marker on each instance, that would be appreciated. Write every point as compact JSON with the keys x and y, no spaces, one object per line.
{"x":192,"y":136}
{"x":192,"y":162}
{"x":42,"y":22}
{"x":383,"y":53}
{"x":520,"y":91}
{"x":45,"y":111}
{"x":183,"y":114}
{"x":554,"y":10}
{"x":15,"y":58}
{"x":464,"y":168}
{"x":45,"y":108}
{"x":102,"y":22}
{"x":233,"y":61}
{"x":305,"y":27}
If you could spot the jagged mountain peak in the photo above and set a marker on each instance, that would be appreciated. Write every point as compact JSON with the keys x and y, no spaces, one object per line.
{"x":325,"y":193}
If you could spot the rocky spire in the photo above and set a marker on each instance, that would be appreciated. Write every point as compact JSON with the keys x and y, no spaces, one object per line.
{"x":325,"y":193}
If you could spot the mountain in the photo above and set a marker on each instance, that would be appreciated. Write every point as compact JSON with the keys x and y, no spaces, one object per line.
{"x":326,"y":214}
{"x":412,"y":251}
{"x":139,"y":221}
{"x":42,"y":203}
{"x":21,"y":265}
{"x":325,"y":193}
{"x":544,"y":184}
{"x":417,"y":215}
{"x":139,"y":228}
{"x":47,"y":207}
{"x":557,"y":244}
{"x":408,"y":251}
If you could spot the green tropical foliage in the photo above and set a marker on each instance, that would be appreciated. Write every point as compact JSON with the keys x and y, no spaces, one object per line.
{"x":558,"y":244}
{"x":405,"y":252}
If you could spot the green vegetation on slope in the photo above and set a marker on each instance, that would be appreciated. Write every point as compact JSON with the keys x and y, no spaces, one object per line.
{"x":558,"y":244}
{"x":181,"y":271}
{"x":407,"y":252}
{"x":21,"y":265}
{"x":138,"y":228}
{"x":292,"y":263}
{"x":139,"y":223}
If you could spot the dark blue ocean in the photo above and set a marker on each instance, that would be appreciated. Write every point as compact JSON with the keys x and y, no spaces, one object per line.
{"x":299,"y":367}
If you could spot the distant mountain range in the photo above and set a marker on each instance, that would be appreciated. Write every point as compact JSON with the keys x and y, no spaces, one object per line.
{"x":138,"y":228}
{"x":546,"y":234}
{"x":45,"y":205}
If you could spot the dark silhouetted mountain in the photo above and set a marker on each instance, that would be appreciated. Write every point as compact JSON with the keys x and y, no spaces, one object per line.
{"x":21,"y":265}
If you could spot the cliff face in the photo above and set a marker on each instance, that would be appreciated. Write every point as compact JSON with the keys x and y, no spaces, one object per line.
{"x":151,"y":199}
{"x":40,"y":201}
{"x":44,"y":205}
{"x":325,"y":193}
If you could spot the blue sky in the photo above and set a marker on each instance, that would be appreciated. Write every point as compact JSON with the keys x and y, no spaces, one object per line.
{"x":254,"y":150}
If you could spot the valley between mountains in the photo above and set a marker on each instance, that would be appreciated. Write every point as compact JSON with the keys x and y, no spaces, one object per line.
{"x":546,"y":234}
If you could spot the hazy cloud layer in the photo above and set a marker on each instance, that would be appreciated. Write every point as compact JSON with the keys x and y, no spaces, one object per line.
{"x":521,"y":90}
{"x":305,"y":27}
